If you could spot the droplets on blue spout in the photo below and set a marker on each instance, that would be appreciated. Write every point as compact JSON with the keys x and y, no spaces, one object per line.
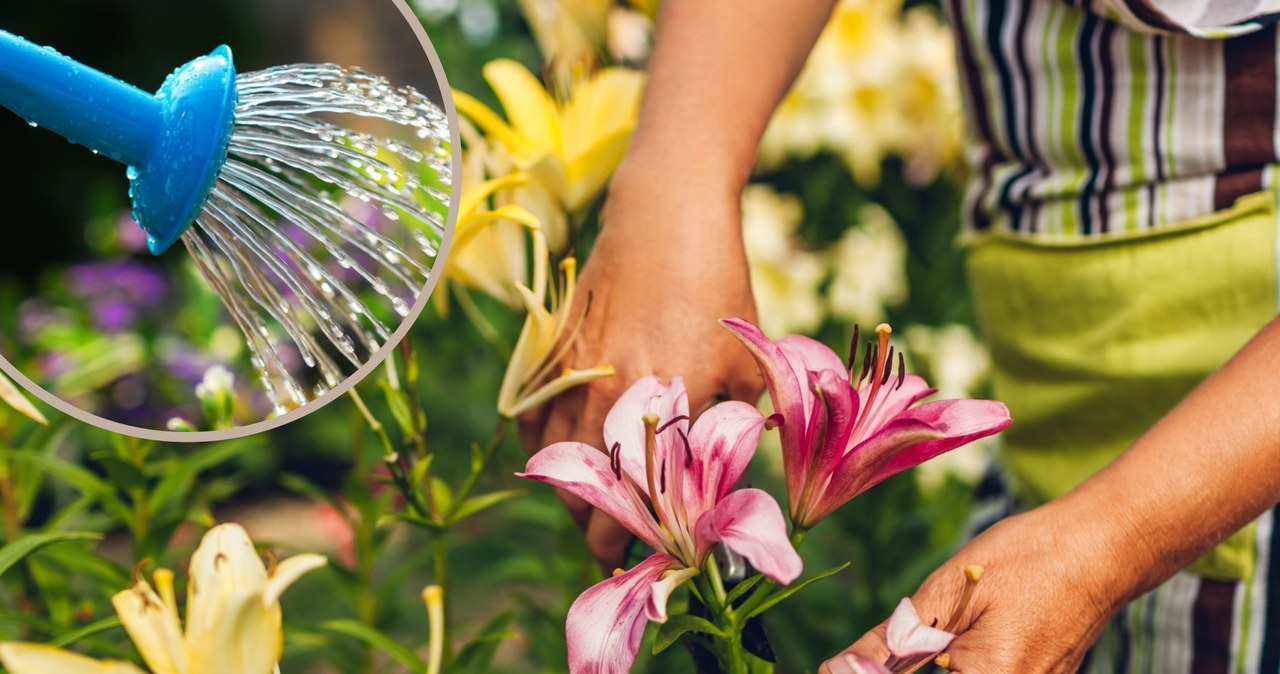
{"x":325,"y":221}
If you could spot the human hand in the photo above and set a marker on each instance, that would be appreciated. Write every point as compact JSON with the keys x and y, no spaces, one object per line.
{"x":1052,"y":581}
{"x":668,"y":264}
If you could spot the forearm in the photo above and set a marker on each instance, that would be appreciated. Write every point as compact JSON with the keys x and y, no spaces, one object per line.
{"x":1205,"y":470}
{"x":719,"y":68}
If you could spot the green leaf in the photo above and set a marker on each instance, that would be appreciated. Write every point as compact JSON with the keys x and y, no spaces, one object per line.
{"x":420,"y":468}
{"x":792,"y":589}
{"x":475,"y":504}
{"x":679,"y":625}
{"x":92,"y":629}
{"x":79,"y":478}
{"x":122,"y":473}
{"x":441,"y":496}
{"x":398,"y":401}
{"x":476,"y":656}
{"x":178,"y":481}
{"x":741,"y":588}
{"x":379,"y":641}
{"x":410,"y":518}
{"x":15,"y":552}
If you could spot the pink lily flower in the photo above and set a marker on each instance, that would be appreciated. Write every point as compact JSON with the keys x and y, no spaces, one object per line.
{"x":910,"y":640}
{"x":843,"y":434}
{"x":671,"y":486}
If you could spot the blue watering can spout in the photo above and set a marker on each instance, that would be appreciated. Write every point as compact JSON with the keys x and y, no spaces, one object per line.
{"x":174,"y":142}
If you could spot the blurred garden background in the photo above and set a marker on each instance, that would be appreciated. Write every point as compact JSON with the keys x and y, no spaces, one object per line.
{"x":852,"y":218}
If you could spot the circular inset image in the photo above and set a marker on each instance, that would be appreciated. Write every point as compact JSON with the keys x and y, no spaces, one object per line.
{"x":253,"y":207}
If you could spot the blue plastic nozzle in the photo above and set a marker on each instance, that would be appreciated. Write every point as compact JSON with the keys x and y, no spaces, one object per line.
{"x":174,"y":142}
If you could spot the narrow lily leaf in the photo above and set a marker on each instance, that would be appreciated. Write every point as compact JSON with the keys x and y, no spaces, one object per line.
{"x":398,"y":401}
{"x":178,"y":480}
{"x":475,"y":504}
{"x":441,"y":495}
{"x":411,"y":519}
{"x":79,"y":478}
{"x":92,"y":629}
{"x":679,"y":625}
{"x":742,"y":588}
{"x":420,"y":468}
{"x":18,"y":550}
{"x":11,"y":395}
{"x":379,"y":641}
{"x":476,"y":656}
{"x":782,"y":594}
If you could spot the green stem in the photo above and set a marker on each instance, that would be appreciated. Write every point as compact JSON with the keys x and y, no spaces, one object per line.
{"x":486,"y":456}
{"x":766,"y":586}
{"x":440,"y":549}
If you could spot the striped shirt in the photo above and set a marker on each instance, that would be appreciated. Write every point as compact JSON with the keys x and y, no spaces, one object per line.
{"x":1103,"y":117}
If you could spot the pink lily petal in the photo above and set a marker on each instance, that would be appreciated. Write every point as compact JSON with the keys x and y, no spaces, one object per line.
{"x":606,"y":623}
{"x":624,"y":425}
{"x":750,"y":523}
{"x":852,"y":663}
{"x":960,"y":422}
{"x":838,"y":412}
{"x":850,"y":476}
{"x":908,"y":638}
{"x":722,"y":442}
{"x":584,"y":471}
{"x":788,"y":392}
{"x":656,"y":609}
{"x":897,"y":400}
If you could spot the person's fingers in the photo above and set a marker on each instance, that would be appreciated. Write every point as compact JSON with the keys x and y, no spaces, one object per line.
{"x":607,"y":541}
{"x":935,"y":602}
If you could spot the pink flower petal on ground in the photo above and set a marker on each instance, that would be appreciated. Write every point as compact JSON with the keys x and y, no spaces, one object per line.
{"x":722,"y":442}
{"x":908,"y":638}
{"x":624,"y":425}
{"x":606,"y":623}
{"x":584,"y":471}
{"x":959,"y":421}
{"x":750,"y":523}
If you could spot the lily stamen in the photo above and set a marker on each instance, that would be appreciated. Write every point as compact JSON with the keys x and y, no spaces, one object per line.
{"x":972,"y":574}
{"x":671,"y":422}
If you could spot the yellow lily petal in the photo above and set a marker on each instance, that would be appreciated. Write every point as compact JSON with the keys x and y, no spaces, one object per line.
{"x":474,"y":196}
{"x":153,"y":627}
{"x":225,"y":565}
{"x":287,"y":573}
{"x":589,"y":171}
{"x":601,"y":106}
{"x":492,"y":124}
{"x":473,"y":223}
{"x":10,"y":394}
{"x":247,"y":639}
{"x":532,"y":112}
{"x":21,"y":658}
{"x":553,"y":388}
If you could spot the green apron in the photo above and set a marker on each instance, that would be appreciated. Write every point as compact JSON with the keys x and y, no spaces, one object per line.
{"x":1093,"y":341}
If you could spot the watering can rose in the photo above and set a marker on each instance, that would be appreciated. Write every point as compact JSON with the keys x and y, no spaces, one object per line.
{"x":846,"y":430}
{"x":672,"y":485}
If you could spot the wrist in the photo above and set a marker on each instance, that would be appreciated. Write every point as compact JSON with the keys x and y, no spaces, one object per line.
{"x":1100,"y":548}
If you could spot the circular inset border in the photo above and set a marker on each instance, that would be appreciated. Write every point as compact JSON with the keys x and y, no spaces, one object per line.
{"x":373,"y":363}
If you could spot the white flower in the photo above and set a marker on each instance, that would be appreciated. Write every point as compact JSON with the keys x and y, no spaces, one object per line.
{"x":784,"y":278}
{"x":869,"y":265}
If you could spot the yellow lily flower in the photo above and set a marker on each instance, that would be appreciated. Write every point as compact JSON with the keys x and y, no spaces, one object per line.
{"x":569,"y":148}
{"x":546,"y":337}
{"x":570,"y":34}
{"x":233,"y":616}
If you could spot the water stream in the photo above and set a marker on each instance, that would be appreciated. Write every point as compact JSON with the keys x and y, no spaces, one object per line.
{"x":319,"y":237}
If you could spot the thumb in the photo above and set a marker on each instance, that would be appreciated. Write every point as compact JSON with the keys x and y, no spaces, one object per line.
{"x":934,"y":603}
